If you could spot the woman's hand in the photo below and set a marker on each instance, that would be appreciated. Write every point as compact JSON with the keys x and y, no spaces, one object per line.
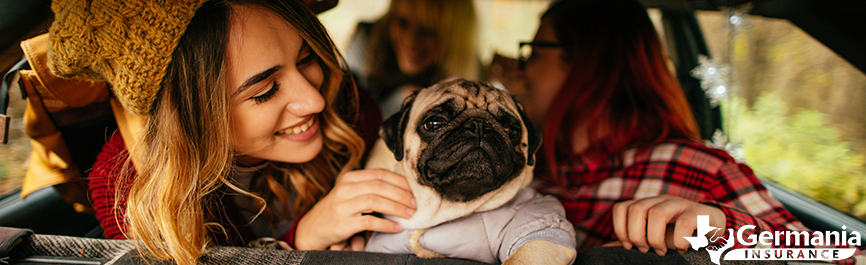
{"x":356,"y":243}
{"x":341,"y":213}
{"x":660,"y":222}
{"x":506,"y":71}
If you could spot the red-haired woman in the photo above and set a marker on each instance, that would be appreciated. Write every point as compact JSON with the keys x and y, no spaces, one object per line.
{"x":621,"y":147}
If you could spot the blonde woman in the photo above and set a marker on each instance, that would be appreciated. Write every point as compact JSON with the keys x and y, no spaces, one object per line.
{"x":415,"y":44}
{"x":250,"y":126}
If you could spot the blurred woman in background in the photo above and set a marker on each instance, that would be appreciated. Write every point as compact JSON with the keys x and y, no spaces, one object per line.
{"x":415,"y":44}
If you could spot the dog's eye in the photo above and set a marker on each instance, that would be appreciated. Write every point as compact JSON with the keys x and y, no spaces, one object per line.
{"x":513,"y":133}
{"x":433,"y":124}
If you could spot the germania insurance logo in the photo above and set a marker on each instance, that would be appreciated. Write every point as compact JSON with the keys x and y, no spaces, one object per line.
{"x":773,"y":245}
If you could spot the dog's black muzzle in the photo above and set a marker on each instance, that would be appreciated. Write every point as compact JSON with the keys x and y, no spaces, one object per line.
{"x":470,"y":157}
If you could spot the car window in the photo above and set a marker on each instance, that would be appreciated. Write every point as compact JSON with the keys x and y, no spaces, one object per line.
{"x":13,"y":162}
{"x":792,"y":109}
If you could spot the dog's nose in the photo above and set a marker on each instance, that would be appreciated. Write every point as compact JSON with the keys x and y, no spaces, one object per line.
{"x":477,"y":126}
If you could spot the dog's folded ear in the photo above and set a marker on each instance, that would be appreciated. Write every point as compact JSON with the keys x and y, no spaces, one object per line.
{"x":534,"y":133}
{"x":394,"y":127}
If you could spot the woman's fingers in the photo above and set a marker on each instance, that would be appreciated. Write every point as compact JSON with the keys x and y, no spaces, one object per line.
{"x":620,"y":222}
{"x":377,"y":182}
{"x":637,"y":221}
{"x":376,"y":174}
{"x":337,"y":247}
{"x":508,"y":73}
{"x":388,"y":190}
{"x":341,"y":213}
{"x":669,"y":238}
{"x":613,"y":244}
{"x":659,"y":218}
{"x":331,"y":229}
{"x":372,"y":223}
{"x":355,"y":243}
{"x":369,"y":203}
{"x":358,"y":242}
{"x":685,"y":226}
{"x":660,"y":222}
{"x":376,"y":190}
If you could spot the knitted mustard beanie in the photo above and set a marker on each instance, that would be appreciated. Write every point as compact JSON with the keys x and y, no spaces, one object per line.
{"x":127,"y":43}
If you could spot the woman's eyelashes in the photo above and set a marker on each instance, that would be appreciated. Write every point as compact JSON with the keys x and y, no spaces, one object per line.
{"x":268,"y":94}
{"x":308,"y":57}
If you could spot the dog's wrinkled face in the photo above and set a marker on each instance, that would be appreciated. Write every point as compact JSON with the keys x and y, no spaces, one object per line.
{"x":464,"y":139}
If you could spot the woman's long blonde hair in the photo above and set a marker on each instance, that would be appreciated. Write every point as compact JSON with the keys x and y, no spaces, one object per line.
{"x":185,"y":154}
{"x":455,"y":24}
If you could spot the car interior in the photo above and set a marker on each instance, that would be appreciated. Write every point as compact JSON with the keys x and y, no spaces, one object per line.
{"x":837,"y":24}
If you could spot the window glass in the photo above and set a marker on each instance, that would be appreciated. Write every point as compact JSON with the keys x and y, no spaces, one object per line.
{"x":504,"y":23}
{"x":341,"y":20}
{"x":794,"y":109}
{"x":13,"y":160}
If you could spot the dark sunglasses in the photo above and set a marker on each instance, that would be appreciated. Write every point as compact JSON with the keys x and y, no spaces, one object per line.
{"x":525,"y":50}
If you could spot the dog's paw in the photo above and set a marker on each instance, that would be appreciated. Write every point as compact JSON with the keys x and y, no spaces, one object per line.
{"x":541,"y":252}
{"x":420,"y":251}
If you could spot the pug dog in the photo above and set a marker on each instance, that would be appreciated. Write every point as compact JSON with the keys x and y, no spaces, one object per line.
{"x":467,"y":150}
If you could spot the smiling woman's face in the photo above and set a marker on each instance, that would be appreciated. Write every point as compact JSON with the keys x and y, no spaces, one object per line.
{"x":273,"y":80}
{"x":416,"y":46}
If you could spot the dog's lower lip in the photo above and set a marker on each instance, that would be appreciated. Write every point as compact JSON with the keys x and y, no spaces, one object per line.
{"x":448,"y":160}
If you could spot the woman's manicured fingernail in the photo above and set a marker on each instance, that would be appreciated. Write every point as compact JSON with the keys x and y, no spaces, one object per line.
{"x":660,"y":252}
{"x":643,"y":249}
{"x":398,"y":227}
{"x":410,"y":211}
{"x":414,"y":204}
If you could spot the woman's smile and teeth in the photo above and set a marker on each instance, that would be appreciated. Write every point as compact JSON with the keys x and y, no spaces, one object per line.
{"x":299,"y":129}
{"x":300,"y":132}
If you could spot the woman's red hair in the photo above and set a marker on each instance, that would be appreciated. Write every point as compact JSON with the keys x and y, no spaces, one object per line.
{"x":619,"y":83}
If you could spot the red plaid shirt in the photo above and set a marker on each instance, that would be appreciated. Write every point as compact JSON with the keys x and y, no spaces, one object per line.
{"x":591,"y":183}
